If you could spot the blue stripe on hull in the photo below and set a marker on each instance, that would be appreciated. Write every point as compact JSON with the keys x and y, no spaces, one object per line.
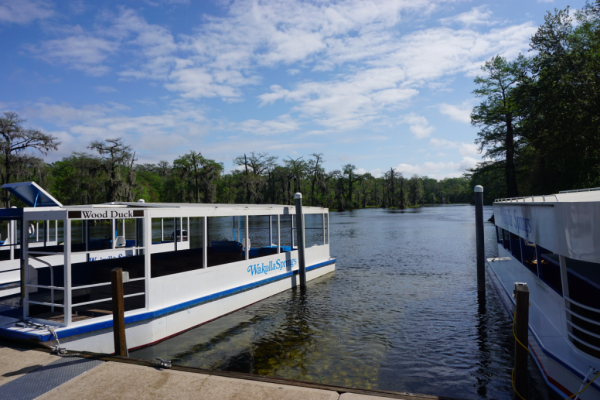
{"x":156,"y":313}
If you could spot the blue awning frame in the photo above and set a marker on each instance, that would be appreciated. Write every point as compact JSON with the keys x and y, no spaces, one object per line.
{"x":31,"y":194}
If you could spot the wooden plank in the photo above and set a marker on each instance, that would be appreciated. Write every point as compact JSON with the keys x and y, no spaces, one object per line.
{"x":116,"y":276}
{"x":521,"y":330}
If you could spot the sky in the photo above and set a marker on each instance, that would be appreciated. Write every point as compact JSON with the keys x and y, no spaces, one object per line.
{"x":378,"y":84}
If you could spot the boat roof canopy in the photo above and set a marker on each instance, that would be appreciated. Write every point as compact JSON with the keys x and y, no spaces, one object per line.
{"x":31,"y":194}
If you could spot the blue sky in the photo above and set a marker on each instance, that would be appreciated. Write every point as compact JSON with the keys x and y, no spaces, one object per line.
{"x":378,"y":84}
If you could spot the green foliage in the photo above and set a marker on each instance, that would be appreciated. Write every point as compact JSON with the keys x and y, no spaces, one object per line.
{"x":553,"y":100}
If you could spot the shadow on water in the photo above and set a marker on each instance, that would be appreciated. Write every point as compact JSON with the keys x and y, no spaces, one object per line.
{"x":400,"y":313}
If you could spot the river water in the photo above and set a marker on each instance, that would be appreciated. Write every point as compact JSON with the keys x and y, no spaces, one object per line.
{"x":400,"y":313}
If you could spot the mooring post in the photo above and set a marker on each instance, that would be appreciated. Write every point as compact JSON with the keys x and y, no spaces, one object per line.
{"x":116,"y":277}
{"x":479,"y":238}
{"x":300,"y":234}
{"x":521,"y":332}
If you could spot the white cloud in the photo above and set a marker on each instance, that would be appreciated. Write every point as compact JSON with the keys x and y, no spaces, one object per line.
{"x":349,"y":101}
{"x":477,"y":16}
{"x":437,"y":170}
{"x":465,"y":149}
{"x":226,"y":53}
{"x":149,"y":133}
{"x":419,"y":125}
{"x":24,"y":11}
{"x":198,"y":82}
{"x":460,"y":113}
{"x":283,"y":124}
{"x":80,"y":52}
{"x":375,"y":172}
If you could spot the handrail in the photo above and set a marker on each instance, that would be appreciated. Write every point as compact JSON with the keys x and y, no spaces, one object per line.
{"x":524,"y":198}
{"x":591,"y":321}
{"x":103,"y":300}
{"x":579,"y":190}
{"x":45,"y":287}
{"x":51,"y":278}
{"x":582,"y":305}
{"x":583,"y":341}
{"x":103,"y":284}
{"x":45,"y":304}
{"x":583,"y":330}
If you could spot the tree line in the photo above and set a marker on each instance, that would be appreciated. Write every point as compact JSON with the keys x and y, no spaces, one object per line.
{"x":109,"y":171}
{"x":539,"y":117}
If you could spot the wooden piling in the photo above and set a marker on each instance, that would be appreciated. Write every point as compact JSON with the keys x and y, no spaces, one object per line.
{"x":521,"y":332}
{"x":479,"y":239}
{"x":301,"y":241}
{"x":116,"y":277}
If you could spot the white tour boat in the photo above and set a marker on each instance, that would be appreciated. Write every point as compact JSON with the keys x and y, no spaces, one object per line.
{"x":183,"y":264}
{"x":552,"y":243}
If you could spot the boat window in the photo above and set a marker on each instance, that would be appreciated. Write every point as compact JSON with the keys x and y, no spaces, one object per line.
{"x":506,"y":239}
{"x":173,"y":257}
{"x":529,"y":256}
{"x":313,"y":230}
{"x":584,"y":289}
{"x":326,"y":228}
{"x":262,"y":231}
{"x":499,"y":234}
{"x":77,"y":236}
{"x":195,"y":233}
{"x":289,"y":240}
{"x":10,"y":249}
{"x":515,"y":246}
{"x":36,"y":231}
{"x":225,"y":240}
{"x":549,"y":268}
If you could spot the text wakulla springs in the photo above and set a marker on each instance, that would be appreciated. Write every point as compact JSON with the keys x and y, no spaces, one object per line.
{"x":276,"y":265}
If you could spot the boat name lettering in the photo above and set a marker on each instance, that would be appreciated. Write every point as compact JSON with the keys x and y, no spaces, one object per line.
{"x":515,"y":221}
{"x":120,"y":255}
{"x":107,"y":214}
{"x":276,"y":265}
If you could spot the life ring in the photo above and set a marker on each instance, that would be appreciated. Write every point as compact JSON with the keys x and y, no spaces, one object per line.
{"x":31,"y":230}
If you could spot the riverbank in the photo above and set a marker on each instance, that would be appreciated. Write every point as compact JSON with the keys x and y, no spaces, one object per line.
{"x":34,"y":373}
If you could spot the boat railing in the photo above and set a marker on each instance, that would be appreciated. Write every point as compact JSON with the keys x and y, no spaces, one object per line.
{"x":582,"y":305}
{"x":108,"y":298}
{"x":577,"y":329}
{"x":583,"y":341}
{"x":579,"y":190}
{"x":591,"y":321}
{"x":524,"y":199}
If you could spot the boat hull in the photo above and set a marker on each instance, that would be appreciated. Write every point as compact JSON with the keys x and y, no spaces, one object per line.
{"x":151,"y":331}
{"x":561,"y":364}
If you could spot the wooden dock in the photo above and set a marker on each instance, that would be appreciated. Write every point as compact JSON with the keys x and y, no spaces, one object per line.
{"x":34,"y":373}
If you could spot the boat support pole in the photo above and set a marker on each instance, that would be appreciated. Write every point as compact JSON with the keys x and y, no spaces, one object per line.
{"x":479,"y":239}
{"x":116,"y":276}
{"x":300,"y":235}
{"x":521,"y":333}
